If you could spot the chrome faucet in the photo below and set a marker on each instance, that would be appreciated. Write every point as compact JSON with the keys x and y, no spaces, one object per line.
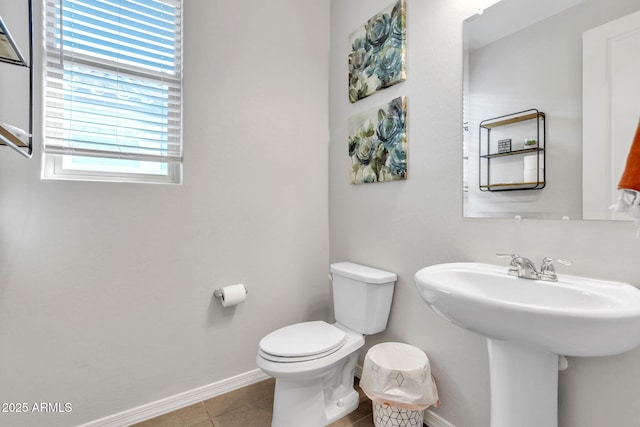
{"x":525,"y":268}
{"x":521,"y":267}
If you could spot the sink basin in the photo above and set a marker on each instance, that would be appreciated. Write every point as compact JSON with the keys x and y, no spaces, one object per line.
{"x":575,"y":316}
{"x":528,"y":323}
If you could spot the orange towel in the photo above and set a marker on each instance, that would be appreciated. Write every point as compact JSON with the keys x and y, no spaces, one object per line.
{"x":629,"y":185}
{"x":630,"y":179}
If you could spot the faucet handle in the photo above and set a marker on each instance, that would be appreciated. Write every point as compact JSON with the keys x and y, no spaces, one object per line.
{"x":548,"y":262}
{"x":512,"y":256}
{"x":513,"y":269}
{"x":548,"y":271}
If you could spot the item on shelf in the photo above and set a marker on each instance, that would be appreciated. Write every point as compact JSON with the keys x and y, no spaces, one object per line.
{"x":504,"y":146}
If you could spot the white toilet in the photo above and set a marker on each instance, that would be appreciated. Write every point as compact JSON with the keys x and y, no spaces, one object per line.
{"x":314,"y":362}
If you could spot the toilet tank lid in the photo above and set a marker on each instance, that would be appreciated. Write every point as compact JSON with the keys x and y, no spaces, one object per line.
{"x":362,"y":273}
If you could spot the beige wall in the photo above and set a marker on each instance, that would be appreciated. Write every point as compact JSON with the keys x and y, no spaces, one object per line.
{"x":106,"y":289}
{"x":405,"y":225}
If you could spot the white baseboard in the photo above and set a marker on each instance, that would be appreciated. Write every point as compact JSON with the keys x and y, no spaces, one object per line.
{"x":178,"y":401}
{"x":172,"y":403}
{"x":433,"y":420}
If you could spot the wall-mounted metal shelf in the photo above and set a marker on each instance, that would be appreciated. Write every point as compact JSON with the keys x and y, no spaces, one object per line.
{"x":8,"y":135}
{"x":512,"y":153}
{"x":529,"y":122}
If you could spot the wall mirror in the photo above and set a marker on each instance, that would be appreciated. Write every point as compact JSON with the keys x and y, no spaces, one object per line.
{"x":523,"y":56}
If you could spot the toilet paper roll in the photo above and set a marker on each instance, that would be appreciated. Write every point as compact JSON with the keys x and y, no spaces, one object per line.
{"x":233,"y":295}
{"x":533,"y":175}
{"x":531,"y":162}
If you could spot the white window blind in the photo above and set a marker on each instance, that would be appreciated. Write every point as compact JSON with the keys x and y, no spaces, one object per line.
{"x":113,"y":88}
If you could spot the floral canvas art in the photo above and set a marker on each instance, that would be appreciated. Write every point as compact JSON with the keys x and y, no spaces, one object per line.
{"x":378,"y":52}
{"x":378,"y":143}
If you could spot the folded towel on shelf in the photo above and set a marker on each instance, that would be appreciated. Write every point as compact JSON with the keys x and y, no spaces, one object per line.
{"x":629,"y":185}
{"x":14,"y":134}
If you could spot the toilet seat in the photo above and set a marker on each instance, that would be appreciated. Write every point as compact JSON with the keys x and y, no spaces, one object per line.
{"x":302,"y":342}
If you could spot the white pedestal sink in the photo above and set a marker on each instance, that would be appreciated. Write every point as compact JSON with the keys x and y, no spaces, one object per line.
{"x":528,"y":323}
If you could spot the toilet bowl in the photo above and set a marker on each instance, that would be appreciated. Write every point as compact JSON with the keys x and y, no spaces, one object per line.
{"x":314,"y":362}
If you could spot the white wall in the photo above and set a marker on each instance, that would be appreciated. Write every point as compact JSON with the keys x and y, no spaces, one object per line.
{"x":403,"y":226}
{"x":106,"y":289}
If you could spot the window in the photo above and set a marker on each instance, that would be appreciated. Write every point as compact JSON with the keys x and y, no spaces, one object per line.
{"x":113,"y":85}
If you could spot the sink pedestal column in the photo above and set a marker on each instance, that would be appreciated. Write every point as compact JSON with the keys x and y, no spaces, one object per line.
{"x":524,"y":385}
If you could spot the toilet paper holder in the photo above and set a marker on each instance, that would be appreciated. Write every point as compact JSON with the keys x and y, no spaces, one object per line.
{"x":218,"y":292}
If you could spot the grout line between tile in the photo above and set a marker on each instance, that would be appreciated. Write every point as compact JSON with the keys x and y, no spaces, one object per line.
{"x":208,"y":414}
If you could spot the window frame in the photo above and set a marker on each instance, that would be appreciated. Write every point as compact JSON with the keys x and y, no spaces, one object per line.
{"x":53,"y":168}
{"x":53,"y":159}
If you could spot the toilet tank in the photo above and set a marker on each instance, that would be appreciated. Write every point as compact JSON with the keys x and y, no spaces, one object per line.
{"x":362,"y":296}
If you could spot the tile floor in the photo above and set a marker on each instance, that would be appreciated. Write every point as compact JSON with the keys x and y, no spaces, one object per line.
{"x":246,"y":407}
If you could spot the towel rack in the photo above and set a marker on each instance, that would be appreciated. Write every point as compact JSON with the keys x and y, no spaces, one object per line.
{"x":6,"y":137}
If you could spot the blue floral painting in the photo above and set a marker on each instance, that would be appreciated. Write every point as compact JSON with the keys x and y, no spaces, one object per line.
{"x":378,"y":53}
{"x":378,"y":143}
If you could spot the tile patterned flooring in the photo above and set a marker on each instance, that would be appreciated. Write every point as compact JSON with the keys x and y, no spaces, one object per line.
{"x":247,"y":407}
